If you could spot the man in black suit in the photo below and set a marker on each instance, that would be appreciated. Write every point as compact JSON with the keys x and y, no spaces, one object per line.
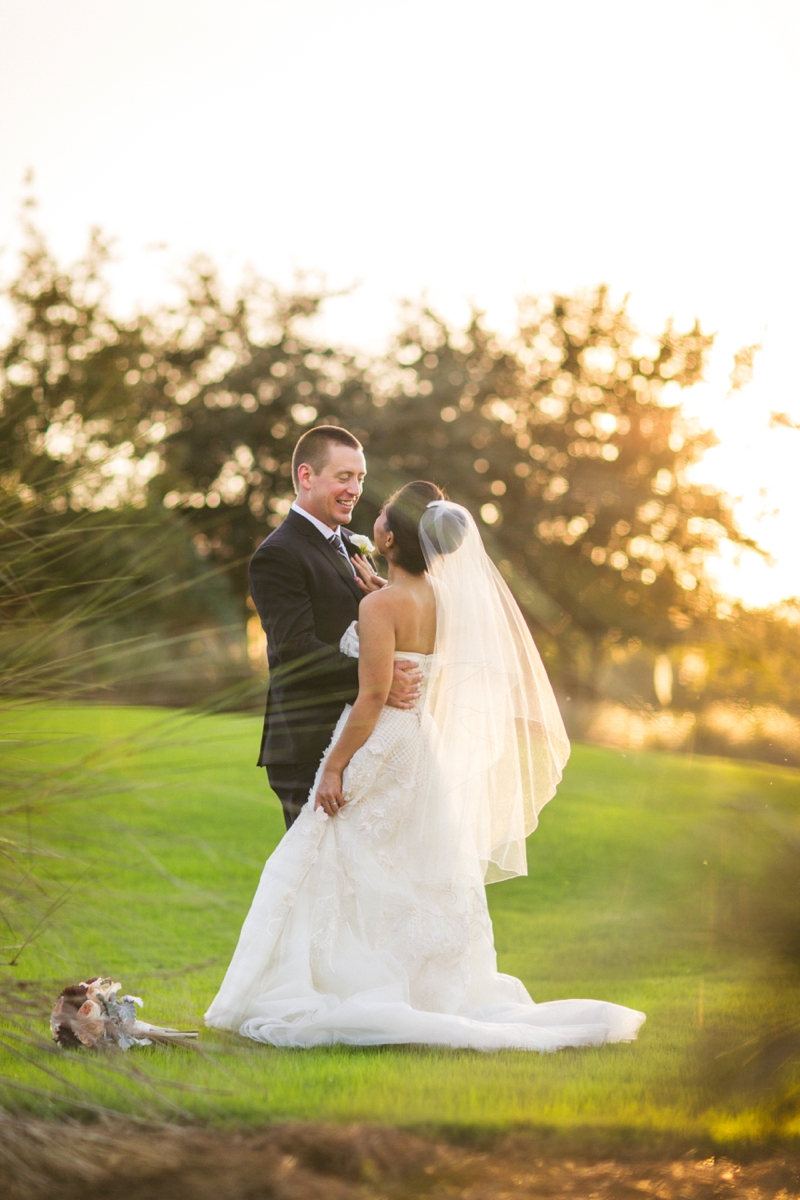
{"x":307,"y":580}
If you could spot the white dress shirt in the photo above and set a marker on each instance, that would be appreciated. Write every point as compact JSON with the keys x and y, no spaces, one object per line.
{"x":324,"y":529}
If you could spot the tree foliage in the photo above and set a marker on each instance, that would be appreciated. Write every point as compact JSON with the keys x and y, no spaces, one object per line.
{"x":228,"y":435}
{"x":67,"y":400}
{"x":566,"y":440}
{"x":567,"y":444}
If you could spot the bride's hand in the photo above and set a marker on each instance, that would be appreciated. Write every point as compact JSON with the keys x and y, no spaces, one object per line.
{"x":367,"y":578}
{"x":329,"y":793}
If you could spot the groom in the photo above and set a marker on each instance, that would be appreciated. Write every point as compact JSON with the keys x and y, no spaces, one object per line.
{"x":306,"y":587}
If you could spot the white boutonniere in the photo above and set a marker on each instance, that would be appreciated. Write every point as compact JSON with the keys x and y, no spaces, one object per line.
{"x":362,"y":543}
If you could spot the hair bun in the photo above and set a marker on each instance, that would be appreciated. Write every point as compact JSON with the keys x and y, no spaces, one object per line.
{"x":445,"y":526}
{"x":403,"y":513}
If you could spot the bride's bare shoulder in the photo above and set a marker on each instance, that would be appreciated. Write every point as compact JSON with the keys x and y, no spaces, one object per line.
{"x":377,"y":604}
{"x":385,"y":606}
{"x":377,"y":618}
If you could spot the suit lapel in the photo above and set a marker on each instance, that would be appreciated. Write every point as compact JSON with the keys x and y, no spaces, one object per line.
{"x":335,"y":557}
{"x":320,"y":543}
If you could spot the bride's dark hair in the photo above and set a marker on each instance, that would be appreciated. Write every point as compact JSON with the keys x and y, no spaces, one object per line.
{"x":404,"y":511}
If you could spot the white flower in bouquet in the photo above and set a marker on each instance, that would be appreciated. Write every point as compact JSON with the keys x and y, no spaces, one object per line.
{"x":362,"y":543}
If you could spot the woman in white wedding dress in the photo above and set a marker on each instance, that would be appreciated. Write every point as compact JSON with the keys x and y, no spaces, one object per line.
{"x":370,"y":924}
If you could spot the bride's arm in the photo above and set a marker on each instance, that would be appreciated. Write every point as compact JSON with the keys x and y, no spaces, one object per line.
{"x":375,"y":666}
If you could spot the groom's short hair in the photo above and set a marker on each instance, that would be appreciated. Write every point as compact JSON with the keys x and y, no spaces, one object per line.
{"x":314,"y":448}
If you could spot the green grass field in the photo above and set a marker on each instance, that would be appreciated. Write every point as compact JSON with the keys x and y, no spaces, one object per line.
{"x":161,"y":824}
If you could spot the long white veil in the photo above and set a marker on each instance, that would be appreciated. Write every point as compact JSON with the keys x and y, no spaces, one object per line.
{"x":501,"y":742}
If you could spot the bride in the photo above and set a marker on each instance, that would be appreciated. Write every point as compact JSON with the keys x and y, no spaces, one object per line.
{"x":370,"y":924}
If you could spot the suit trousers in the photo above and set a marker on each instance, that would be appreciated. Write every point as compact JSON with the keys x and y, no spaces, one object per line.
{"x":291,"y":783}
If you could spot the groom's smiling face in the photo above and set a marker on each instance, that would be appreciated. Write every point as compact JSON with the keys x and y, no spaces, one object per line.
{"x":332,"y":493}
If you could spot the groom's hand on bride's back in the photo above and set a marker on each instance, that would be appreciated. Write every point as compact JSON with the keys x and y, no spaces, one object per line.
{"x":406,"y":685}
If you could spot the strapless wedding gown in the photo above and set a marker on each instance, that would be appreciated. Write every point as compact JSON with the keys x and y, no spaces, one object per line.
{"x":348,"y":940}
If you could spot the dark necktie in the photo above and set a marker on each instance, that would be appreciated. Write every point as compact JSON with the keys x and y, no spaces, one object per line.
{"x":339,"y":547}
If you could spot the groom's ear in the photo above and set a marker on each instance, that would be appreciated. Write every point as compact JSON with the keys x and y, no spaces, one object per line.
{"x":304,"y":473}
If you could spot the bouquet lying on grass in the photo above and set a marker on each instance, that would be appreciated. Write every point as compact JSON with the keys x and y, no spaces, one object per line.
{"x":93,"y":1014}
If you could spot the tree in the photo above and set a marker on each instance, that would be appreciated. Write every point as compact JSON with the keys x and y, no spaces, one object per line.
{"x":188,"y":412}
{"x":87,"y":562}
{"x":68,"y":372}
{"x":566,"y":440}
{"x":564,"y":443}
{"x":236,"y":412}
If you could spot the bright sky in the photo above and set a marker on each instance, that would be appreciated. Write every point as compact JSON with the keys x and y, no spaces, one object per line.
{"x":471,"y":149}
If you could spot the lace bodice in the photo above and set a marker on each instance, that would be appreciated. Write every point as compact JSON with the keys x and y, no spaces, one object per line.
{"x":348,"y":644}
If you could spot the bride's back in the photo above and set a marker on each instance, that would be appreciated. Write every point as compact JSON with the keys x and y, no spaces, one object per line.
{"x":413,"y":606}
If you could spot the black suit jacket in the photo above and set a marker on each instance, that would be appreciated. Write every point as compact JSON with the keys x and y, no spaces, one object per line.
{"x":306,"y":597}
